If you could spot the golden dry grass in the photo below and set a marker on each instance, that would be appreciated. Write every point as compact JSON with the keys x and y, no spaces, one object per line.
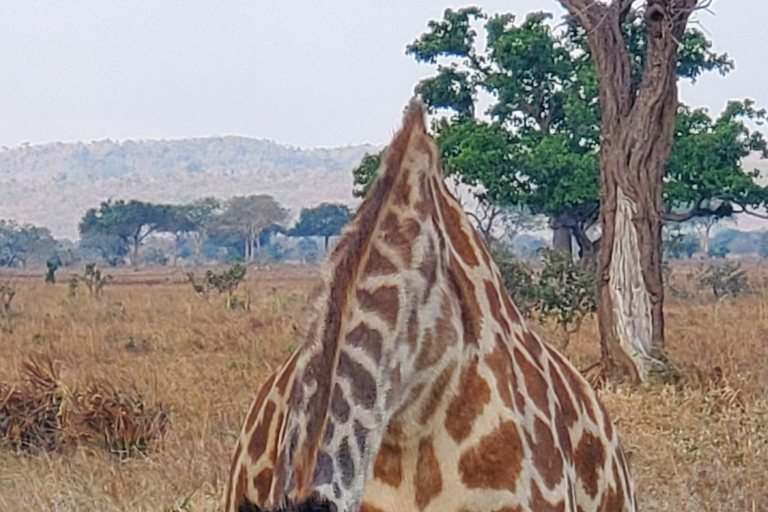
{"x":699,"y":445}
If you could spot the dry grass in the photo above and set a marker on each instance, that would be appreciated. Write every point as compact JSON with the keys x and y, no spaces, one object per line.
{"x":701,"y":444}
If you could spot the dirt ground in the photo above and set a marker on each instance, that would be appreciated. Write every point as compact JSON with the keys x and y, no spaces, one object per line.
{"x":698,"y":445}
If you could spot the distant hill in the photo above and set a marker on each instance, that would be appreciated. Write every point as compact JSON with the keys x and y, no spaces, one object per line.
{"x":54,"y":184}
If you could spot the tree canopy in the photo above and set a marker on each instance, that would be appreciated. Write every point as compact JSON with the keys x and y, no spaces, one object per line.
{"x":130,"y":222}
{"x":325,"y":220}
{"x":20,"y":242}
{"x":540,"y":147}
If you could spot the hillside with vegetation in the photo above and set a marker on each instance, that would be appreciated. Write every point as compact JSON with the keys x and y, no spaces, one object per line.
{"x":54,"y":184}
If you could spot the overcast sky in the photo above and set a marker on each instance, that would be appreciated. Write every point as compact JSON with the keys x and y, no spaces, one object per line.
{"x":300,"y":72}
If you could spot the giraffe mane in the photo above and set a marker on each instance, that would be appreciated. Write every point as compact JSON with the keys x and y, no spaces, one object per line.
{"x":344,"y":264}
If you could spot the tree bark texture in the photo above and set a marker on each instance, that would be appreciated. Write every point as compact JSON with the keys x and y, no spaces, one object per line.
{"x":637,"y":134}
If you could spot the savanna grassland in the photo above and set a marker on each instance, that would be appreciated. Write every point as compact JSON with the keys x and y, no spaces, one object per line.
{"x":698,"y":443}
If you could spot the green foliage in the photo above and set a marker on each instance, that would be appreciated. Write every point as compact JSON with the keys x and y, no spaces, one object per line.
{"x":562,"y":290}
{"x":364,"y":174}
{"x":677,"y":244}
{"x":541,"y":147}
{"x":248,"y":218}
{"x":519,"y":280}
{"x":567,"y":291}
{"x":325,"y":220}
{"x":725,"y":280}
{"x":226,"y":281}
{"x":129,"y":222}
{"x":20,"y":242}
{"x":94,"y":280}
{"x":704,"y":173}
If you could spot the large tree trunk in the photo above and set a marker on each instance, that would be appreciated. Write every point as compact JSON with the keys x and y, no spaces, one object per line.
{"x":561,"y":235}
{"x":637,"y":133}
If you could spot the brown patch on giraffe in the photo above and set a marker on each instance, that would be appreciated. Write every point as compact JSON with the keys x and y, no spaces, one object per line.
{"x":452,"y":224}
{"x":509,"y":509}
{"x":367,"y":507}
{"x":366,"y":338}
{"x":465,"y":407}
{"x":563,"y":435}
{"x":500,"y":363}
{"x":481,"y":247}
{"x":330,"y":430}
{"x":541,"y":504}
{"x":413,"y":330}
{"x":362,"y":384}
{"x":496,"y":461}
{"x":577,"y":384}
{"x":384,"y":301}
{"x":535,"y":384}
{"x":402,"y":193}
{"x":278,"y":428}
{"x":378,"y":264}
{"x":446,"y":334}
{"x":533,"y":346}
{"x":567,"y":410}
{"x":436,"y":392}
{"x":241,"y":488}
{"x":547,"y":458}
{"x":346,"y":464}
{"x":258,"y":403}
{"x":262,"y":483}
{"x":339,"y":405}
{"x":494,"y":303}
{"x":389,"y":462}
{"x":607,"y":425}
{"x":323,"y":469}
{"x":589,"y":458}
{"x":285,"y":377}
{"x":428,"y":479}
{"x":509,"y":307}
{"x":400,"y":235}
{"x":233,"y":473}
{"x":428,"y":268}
{"x":464,"y":289}
{"x":258,"y":443}
{"x":425,"y":205}
{"x":361,"y":435}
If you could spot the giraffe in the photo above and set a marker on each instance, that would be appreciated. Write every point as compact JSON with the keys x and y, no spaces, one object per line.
{"x":419,"y":387}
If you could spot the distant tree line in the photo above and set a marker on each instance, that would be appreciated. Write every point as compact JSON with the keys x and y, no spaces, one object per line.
{"x":247,"y":229}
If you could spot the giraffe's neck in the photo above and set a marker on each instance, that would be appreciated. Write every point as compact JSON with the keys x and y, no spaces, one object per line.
{"x":399,"y":305}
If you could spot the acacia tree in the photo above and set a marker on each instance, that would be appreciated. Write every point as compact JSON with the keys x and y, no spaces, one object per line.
{"x":325,"y":220}
{"x":638,"y":103}
{"x":19,"y":242}
{"x":249,"y":217}
{"x":130,"y":222}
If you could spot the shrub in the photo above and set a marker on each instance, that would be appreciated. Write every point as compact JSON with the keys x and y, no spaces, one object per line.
{"x":223,"y":282}
{"x":518,"y":279}
{"x":43,"y":414}
{"x":566,"y":291}
{"x":725,"y":280}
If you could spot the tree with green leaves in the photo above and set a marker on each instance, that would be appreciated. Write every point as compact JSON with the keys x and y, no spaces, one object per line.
{"x":325,"y":220}
{"x":545,"y":144}
{"x":248,"y":217}
{"x":637,"y":58}
{"x":178,"y":223}
{"x":21,"y":242}
{"x":364,"y":174}
{"x":130,"y":222}
{"x":200,"y":214}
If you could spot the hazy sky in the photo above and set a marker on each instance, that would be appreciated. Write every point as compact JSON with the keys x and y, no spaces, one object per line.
{"x":301,"y":72}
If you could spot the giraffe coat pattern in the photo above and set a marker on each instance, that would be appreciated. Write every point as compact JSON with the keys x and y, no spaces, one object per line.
{"x":419,"y":387}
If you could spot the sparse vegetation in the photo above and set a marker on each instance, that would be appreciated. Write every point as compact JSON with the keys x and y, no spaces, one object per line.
{"x":223,"y":282}
{"x":691,"y":444}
